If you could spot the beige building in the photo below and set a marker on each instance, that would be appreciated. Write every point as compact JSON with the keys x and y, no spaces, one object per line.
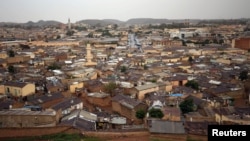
{"x":244,"y":120}
{"x":88,"y":73}
{"x":144,"y":89}
{"x":3,"y":55}
{"x":54,"y":44}
{"x":75,"y":85}
{"x":17,"y":59}
{"x":19,"y":88}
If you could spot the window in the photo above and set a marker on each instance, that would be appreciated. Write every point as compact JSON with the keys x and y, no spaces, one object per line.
{"x":15,"y":91}
{"x":8,"y":89}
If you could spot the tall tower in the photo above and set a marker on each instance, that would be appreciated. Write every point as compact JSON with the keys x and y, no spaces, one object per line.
{"x":69,"y":24}
{"x":89,"y":57}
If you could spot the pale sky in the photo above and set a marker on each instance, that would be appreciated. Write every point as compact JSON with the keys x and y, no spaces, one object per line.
{"x":61,"y":10}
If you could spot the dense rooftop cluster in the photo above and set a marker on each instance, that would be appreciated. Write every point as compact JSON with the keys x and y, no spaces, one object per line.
{"x":111,"y":77}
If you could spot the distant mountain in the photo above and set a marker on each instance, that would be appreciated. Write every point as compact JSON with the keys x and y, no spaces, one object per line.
{"x":105,"y":22}
{"x":94,"y":22}
{"x":113,"y":21}
{"x":158,"y":21}
{"x":40,"y":23}
{"x":146,"y":21}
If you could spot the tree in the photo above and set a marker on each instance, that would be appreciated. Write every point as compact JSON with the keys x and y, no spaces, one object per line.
{"x":80,"y":28}
{"x":155,"y":113}
{"x":145,"y":67}
{"x":54,"y":66}
{"x":106,"y":33}
{"x":123,"y":69}
{"x":11,"y":69}
{"x":190,"y":59}
{"x":176,"y":38}
{"x":70,"y":32}
{"x":90,"y":35}
{"x":221,"y":41}
{"x":115,"y":26}
{"x":11,"y":53}
{"x":243,"y":75}
{"x":193,"y":84}
{"x":187,"y":106}
{"x":140,"y":114}
{"x":110,"y":87}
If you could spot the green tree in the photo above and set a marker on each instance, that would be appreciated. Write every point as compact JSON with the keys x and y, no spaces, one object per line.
{"x":145,"y":67}
{"x":193,"y":84}
{"x":70,"y":32}
{"x":176,"y":38}
{"x":187,"y":106}
{"x":11,"y":53}
{"x":54,"y":66}
{"x":221,"y":41}
{"x":115,"y":26}
{"x":140,"y":114}
{"x":106,"y":33}
{"x":11,"y":69}
{"x":80,"y":28}
{"x":110,"y":87}
{"x":155,"y":113}
{"x":243,"y":75}
{"x":153,"y":80}
{"x":90,"y":35}
{"x":123,"y":69}
{"x":190,"y":59}
{"x":58,"y":37}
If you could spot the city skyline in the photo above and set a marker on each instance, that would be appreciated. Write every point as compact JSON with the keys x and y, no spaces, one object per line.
{"x":60,"y":10}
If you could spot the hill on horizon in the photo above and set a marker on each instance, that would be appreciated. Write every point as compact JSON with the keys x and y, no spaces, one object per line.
{"x":133,"y":21}
{"x":105,"y":22}
{"x":40,"y":23}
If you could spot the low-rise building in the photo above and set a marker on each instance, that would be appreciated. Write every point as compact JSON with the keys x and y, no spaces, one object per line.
{"x":127,"y":106}
{"x":99,"y":99}
{"x":26,"y":118}
{"x":19,"y":89}
{"x":68,"y":105}
{"x":144,"y":89}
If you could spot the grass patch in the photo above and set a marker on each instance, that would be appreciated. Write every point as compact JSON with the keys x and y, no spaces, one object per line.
{"x":157,"y":139}
{"x":56,"y":137}
{"x":190,"y":139}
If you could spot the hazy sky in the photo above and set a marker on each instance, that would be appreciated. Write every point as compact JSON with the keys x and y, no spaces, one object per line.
{"x":61,"y":10}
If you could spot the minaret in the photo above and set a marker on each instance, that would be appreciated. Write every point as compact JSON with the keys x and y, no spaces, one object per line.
{"x":69,"y":24}
{"x":89,"y":57}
